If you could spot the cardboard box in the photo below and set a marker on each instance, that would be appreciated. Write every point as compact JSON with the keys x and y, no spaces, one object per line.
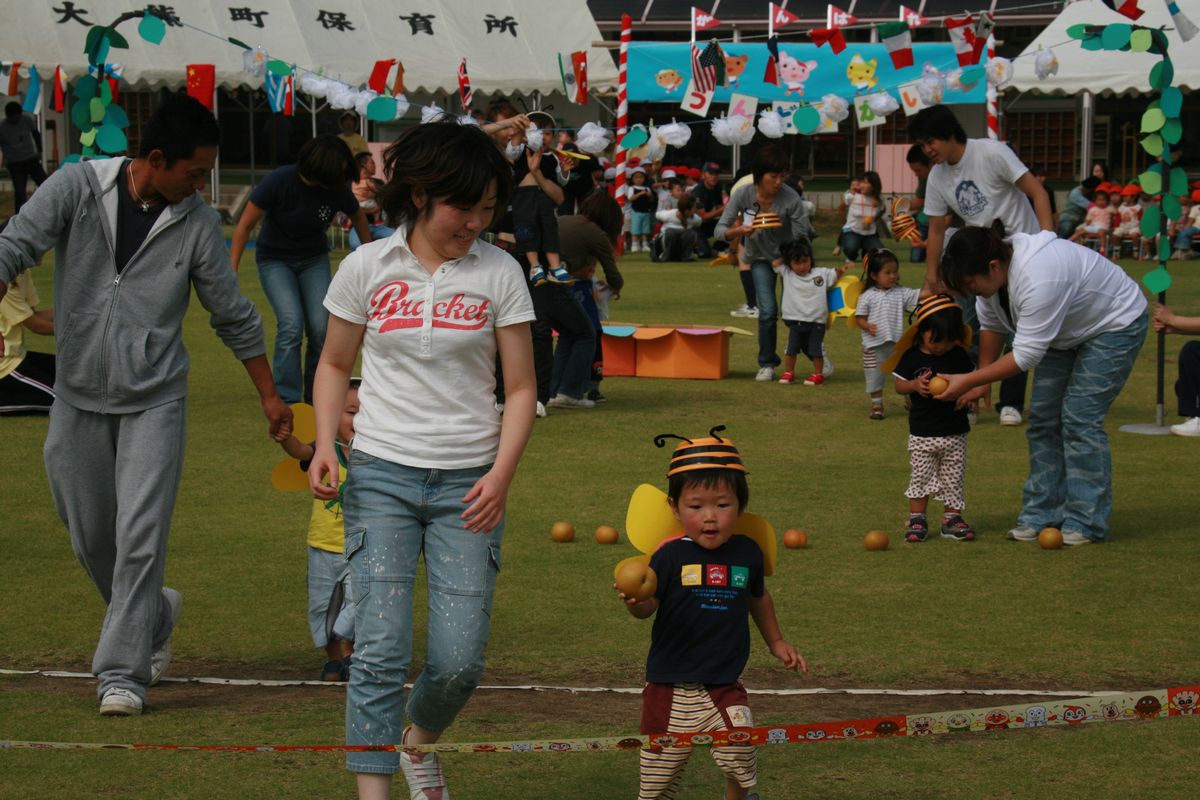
{"x":619,"y":348}
{"x":667,"y":351}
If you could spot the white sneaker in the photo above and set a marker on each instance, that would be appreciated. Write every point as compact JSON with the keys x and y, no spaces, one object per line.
{"x":741,"y":311}
{"x":826,"y":370}
{"x":765,"y":374}
{"x":423,"y":774}
{"x":1073,"y":538}
{"x":753,"y":314}
{"x":1010,"y":417}
{"x":566,"y":401}
{"x":1023,"y":533}
{"x":541,"y":409}
{"x":1189,"y":428}
{"x":972,"y":418}
{"x":118,"y":702}
{"x":160,"y":659}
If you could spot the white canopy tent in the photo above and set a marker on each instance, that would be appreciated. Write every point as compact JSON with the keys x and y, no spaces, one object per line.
{"x":510,"y":45}
{"x":1101,"y":72}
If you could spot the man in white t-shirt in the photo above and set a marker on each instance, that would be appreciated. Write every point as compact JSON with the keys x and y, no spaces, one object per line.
{"x":981,"y":180}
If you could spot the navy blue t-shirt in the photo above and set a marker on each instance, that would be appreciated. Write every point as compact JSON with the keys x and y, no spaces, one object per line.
{"x":930,"y":417}
{"x":296,"y":215}
{"x":700,"y":633}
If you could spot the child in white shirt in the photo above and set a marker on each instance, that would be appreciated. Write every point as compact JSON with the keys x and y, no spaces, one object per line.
{"x":880,"y":316}
{"x":805,"y":308}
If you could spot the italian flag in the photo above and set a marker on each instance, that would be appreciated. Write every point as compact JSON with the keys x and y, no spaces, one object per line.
{"x":898,"y":39}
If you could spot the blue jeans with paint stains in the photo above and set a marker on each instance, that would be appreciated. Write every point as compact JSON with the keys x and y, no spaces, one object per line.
{"x":1070,"y":465}
{"x":394,"y":515}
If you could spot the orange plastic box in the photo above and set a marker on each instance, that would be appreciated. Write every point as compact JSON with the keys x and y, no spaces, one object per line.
{"x":667,"y":351}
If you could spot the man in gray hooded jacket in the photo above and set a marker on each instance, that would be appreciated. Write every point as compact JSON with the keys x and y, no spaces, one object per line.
{"x":132,"y":237}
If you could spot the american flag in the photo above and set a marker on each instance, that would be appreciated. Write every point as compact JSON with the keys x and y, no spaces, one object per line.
{"x":704,"y":67}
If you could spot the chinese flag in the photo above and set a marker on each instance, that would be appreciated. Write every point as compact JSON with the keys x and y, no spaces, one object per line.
{"x":201,"y":81}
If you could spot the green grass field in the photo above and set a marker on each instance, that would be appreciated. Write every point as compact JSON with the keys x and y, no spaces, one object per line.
{"x":989,"y":614}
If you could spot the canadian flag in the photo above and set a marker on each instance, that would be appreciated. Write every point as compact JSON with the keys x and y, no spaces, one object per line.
{"x":913,"y":19}
{"x":781,"y":16}
{"x":703,"y":20}
{"x":837,"y":18}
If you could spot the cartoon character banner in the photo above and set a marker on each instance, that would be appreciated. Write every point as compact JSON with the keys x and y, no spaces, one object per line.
{"x":660,"y":72}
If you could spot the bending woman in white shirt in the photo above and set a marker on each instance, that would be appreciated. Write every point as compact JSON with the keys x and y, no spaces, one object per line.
{"x":432,"y":459}
{"x":1081,"y":321}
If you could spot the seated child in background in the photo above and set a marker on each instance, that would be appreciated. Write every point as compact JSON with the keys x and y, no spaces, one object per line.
{"x":863,"y":207}
{"x":937,"y":429}
{"x":1078,"y":201}
{"x":330,"y":603}
{"x":805,"y":308}
{"x":709,"y":581}
{"x":1187,"y":226}
{"x":677,"y":238}
{"x":880,"y":317}
{"x":535,"y":223}
{"x":1097,"y":222}
{"x":1129,"y":219}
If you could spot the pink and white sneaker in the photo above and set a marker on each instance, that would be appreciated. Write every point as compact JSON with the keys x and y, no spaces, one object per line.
{"x":423,"y":774}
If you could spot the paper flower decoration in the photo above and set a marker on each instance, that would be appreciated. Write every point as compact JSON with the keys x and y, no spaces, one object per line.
{"x":770,"y":124}
{"x":655,"y":148}
{"x":313,"y":84}
{"x":954,"y":81}
{"x":931,"y":87}
{"x":254,"y":62}
{"x":835,"y":107}
{"x":431,"y":113}
{"x":363,"y":100}
{"x":592,"y":138}
{"x":467,"y":119}
{"x":737,"y":129}
{"x":999,"y":71}
{"x":676,"y":134}
{"x":1045,"y":64}
{"x":882,"y":103}
{"x":534,"y":137}
{"x":402,"y":106}
{"x":341,"y":95}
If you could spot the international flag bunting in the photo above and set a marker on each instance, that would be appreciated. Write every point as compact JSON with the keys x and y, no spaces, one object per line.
{"x":112,"y":73}
{"x":281,"y":93}
{"x":379,"y":75}
{"x":830,"y":36}
{"x":913,"y":19}
{"x":962,"y":34}
{"x":201,"y":81}
{"x":398,"y":84}
{"x":837,"y":18}
{"x":781,"y":16}
{"x":702,"y":21}
{"x":574,"y":77}
{"x":464,"y":86}
{"x":1183,"y":25}
{"x":1127,"y":7}
{"x":984,"y":25}
{"x":771,"y":74}
{"x":704,"y":79}
{"x":713,"y":58}
{"x":12,"y":71}
{"x":59,"y":99}
{"x":33,"y":92}
{"x":898,"y":39}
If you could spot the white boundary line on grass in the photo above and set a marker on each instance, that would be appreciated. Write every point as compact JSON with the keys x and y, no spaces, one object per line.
{"x":49,"y":673}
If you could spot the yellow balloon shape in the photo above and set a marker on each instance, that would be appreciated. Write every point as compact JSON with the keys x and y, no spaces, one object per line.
{"x":288,"y":477}
{"x":304,"y":422}
{"x":763,"y":534}
{"x":649,"y":519}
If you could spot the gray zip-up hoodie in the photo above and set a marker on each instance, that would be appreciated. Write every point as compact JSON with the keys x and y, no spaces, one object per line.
{"x":120,"y":336}
{"x":763,"y":245}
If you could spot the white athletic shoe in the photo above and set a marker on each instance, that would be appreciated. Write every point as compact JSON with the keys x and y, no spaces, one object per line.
{"x":765,"y":374}
{"x":423,"y":774}
{"x":118,"y":702}
{"x":541,"y":409}
{"x":1073,"y":538}
{"x":826,"y":370}
{"x":1189,"y":428}
{"x":566,"y":401}
{"x":1010,"y":417}
{"x":741,"y":311}
{"x":1023,"y":533}
{"x":160,"y":659}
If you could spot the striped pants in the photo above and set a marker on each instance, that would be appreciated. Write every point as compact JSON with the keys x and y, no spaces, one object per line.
{"x":694,"y":707}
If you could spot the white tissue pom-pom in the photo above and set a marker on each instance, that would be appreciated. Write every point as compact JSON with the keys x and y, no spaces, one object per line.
{"x":835,"y":107}
{"x":313,"y":84}
{"x":402,"y":106}
{"x":999,"y":71}
{"x":675,"y":134}
{"x":467,"y":119}
{"x":882,"y":103}
{"x":770,"y":124}
{"x":365,"y":96}
{"x":954,"y":81}
{"x":342,"y":96}
{"x":1045,"y":64}
{"x":254,"y":62}
{"x":655,"y":148}
{"x":592,"y":138}
{"x":534,"y":137}
{"x":931,"y":90}
{"x":738,"y":129}
{"x":431,"y":113}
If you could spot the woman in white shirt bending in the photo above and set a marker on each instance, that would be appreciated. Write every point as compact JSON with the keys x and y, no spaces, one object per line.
{"x":1080,"y":320}
{"x":429,"y":307}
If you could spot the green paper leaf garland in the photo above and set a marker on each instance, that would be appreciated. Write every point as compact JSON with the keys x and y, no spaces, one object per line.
{"x":95,"y":109}
{"x":1153,"y":120}
{"x":1116,"y":36}
{"x":1151,"y":182}
{"x":1171,"y":206}
{"x":1161,"y":74}
{"x":277,"y":67}
{"x":1139,"y":41}
{"x":111,"y":139}
{"x":1151,"y":221}
{"x":115,"y":115}
{"x":152,"y":29}
{"x":1179,"y":181}
{"x":1171,"y":102}
{"x":1157,"y":280}
{"x":1153,"y":145}
{"x":635,"y":137}
{"x":1172,"y":131}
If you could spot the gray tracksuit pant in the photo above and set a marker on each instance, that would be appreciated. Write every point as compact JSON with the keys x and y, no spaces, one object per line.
{"x":114,"y":478}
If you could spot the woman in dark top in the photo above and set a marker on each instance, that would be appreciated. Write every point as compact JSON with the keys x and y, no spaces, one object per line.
{"x":295,"y":204}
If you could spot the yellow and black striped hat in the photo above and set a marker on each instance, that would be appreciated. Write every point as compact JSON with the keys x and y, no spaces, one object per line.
{"x":710,"y":452}
{"x":926,"y":308}
{"x":766,"y":219}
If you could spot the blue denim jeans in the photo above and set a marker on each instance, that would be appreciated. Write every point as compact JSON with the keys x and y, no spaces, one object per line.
{"x":1070,"y":465}
{"x":576,"y":344}
{"x":296,"y":291}
{"x":855,"y":244}
{"x":377,"y":232}
{"x":768,"y":312}
{"x":396,"y":515}
{"x":1183,"y":239}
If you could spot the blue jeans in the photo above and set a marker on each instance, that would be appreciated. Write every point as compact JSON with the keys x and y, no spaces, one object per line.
{"x":296,"y":291}
{"x":853,"y":244}
{"x":768,"y":312}
{"x":1183,"y":239}
{"x":576,"y":345}
{"x":1070,"y":466}
{"x":395,"y":515}
{"x":377,"y":232}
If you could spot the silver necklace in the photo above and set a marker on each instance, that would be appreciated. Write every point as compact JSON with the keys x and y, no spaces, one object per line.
{"x":142,"y":204}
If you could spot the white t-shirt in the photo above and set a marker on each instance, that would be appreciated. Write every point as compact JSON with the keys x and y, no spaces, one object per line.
{"x":1061,"y":294}
{"x":804,"y":298}
{"x":981,"y":187}
{"x":861,"y":213}
{"x":429,"y":350}
{"x":670,"y":219}
{"x":885,"y":310}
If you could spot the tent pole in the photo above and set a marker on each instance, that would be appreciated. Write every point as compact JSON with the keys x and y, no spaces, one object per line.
{"x":216,"y":172}
{"x":1086,"y":122}
{"x":251,"y":124}
{"x":873,"y":131}
{"x":737,"y":148}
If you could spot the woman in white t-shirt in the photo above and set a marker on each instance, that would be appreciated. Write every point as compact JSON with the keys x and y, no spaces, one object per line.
{"x":429,"y":308}
{"x":1081,"y":321}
